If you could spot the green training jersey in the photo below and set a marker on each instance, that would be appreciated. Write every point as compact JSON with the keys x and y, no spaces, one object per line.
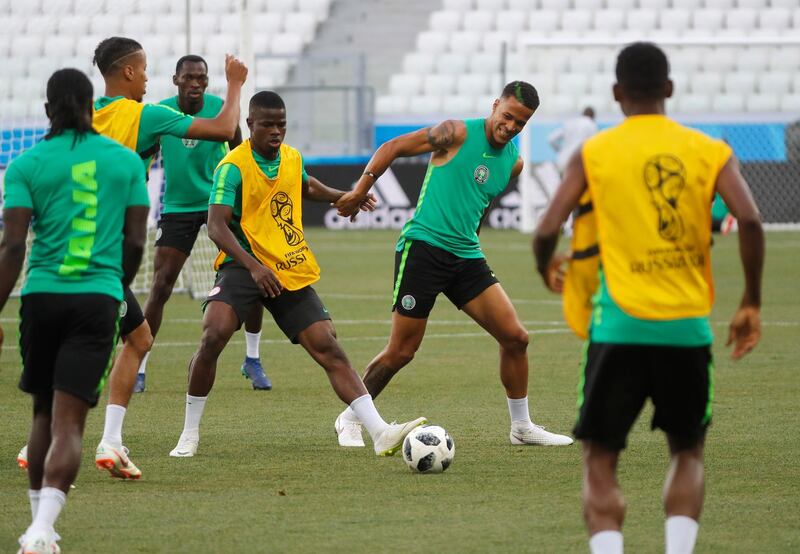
{"x":156,"y":121}
{"x":227,"y":190}
{"x":612,"y":325}
{"x":78,"y":192}
{"x":189,"y":163}
{"x":455,"y":195}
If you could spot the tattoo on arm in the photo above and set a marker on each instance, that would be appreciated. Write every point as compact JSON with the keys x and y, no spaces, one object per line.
{"x":442,"y":135}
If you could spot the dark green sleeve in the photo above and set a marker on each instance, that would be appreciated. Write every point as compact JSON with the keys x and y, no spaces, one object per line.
{"x":227,"y":180}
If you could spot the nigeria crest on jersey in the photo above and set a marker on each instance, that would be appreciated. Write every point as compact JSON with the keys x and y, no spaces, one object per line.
{"x":189,"y":143}
{"x":481,"y":174}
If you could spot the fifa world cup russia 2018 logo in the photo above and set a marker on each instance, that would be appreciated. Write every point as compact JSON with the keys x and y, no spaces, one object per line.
{"x":281,"y":208}
{"x":665,"y":178}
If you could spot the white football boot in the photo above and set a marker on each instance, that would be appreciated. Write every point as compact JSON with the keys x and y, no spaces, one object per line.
{"x":116,"y":461}
{"x":348,"y":431}
{"x":391,"y":439}
{"x":524,"y":433}
{"x":186,"y":447}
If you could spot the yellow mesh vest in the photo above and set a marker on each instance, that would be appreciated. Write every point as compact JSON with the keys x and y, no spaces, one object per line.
{"x":272,"y":216}
{"x":119,"y":121}
{"x":581,"y":280}
{"x":652,"y":183}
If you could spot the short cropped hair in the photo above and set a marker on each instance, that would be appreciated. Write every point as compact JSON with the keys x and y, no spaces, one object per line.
{"x":267,"y":99}
{"x":522,"y":91}
{"x":189,"y":58}
{"x":113,"y":50}
{"x":643,"y":71}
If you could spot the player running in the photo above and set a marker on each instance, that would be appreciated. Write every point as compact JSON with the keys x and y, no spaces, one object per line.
{"x":189,"y":167}
{"x":255,"y":217}
{"x":87,"y":199}
{"x":121,"y":115}
{"x":651,"y":182}
{"x":438,"y":251}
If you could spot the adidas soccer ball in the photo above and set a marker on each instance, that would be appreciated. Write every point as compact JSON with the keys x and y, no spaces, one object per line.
{"x":428,"y":449}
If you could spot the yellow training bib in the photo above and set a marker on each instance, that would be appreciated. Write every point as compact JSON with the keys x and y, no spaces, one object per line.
{"x":119,"y":121}
{"x":652,"y":182}
{"x":581,"y":280}
{"x":272,"y":216}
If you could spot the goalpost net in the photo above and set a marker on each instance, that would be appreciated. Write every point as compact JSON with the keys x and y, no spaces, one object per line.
{"x":745,"y":91}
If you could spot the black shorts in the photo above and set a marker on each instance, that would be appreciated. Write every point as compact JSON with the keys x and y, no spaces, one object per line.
{"x":179,"y":231}
{"x":422,"y":271}
{"x":293,"y":310}
{"x":131,"y":313}
{"x":67,"y":343}
{"x":618,"y":378}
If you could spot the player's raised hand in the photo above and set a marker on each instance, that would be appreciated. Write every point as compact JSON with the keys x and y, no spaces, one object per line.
{"x":745,"y":331}
{"x":235,"y":70}
{"x":266,"y":280}
{"x":349,"y":204}
{"x":555,"y":273}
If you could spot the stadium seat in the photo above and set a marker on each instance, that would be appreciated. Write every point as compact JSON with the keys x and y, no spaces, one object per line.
{"x":305,"y":24}
{"x":14,"y":108}
{"x":490,"y":5}
{"x":760,"y":103}
{"x":205,"y":24}
{"x":720,"y":59}
{"x":38,"y":24}
{"x":424,"y":105}
{"x":458,"y":5}
{"x":727,"y":103}
{"x":492,"y":42}
{"x":552,"y":60}
{"x":281,"y":6}
{"x":511,"y":21}
{"x":59,"y":46}
{"x":786,"y":58}
{"x":740,"y":21}
{"x":719,"y":4}
{"x":775,"y":20}
{"x":788,"y":4}
{"x":29,"y":88}
{"x":109,"y":24}
{"x":27,"y":8}
{"x":231,"y":23}
{"x":5,"y":89}
{"x":432,"y":41}
{"x":455,"y":105}
{"x":543,"y":22}
{"x":586,"y":61}
{"x":215,"y":6}
{"x":440,"y":85}
{"x":577,"y":21}
{"x":447,"y":21}
{"x":693,"y":103}
{"x":601,"y":83}
{"x":267,"y":22}
{"x":139,"y":25}
{"x":169,"y":24}
{"x":524,"y":5}
{"x":558,"y":105}
{"x":707,"y":20}
{"x":474,"y":84}
{"x":752,"y":59}
{"x":753,"y":4}
{"x":41,"y":68}
{"x":465,"y":42}
{"x":653,"y":4}
{"x":680,"y":82}
{"x":675,"y":20}
{"x":91,"y":8}
{"x":740,"y":82}
{"x":218,"y":44}
{"x":12,"y":67}
{"x":557,"y":5}
{"x":641,"y":20}
{"x":480,"y":21}
{"x":290,"y":44}
{"x":609,"y":21}
{"x":796,"y":83}
{"x":419,"y":63}
{"x":26,"y":46}
{"x":391,"y":105}
{"x":572,"y":84}
{"x":590,"y":5}
{"x":690,"y":5}
{"x":545,"y":83}
{"x":790,"y":103}
{"x":598,"y":102}
{"x":686,"y":59}
{"x":319,"y":8}
{"x":707,"y":82}
{"x":775,"y":82}
{"x":451,"y":64}
{"x":484,"y":63}
{"x":405,"y":84}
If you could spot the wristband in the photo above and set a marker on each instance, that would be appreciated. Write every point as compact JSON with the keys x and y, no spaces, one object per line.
{"x":371,"y":174}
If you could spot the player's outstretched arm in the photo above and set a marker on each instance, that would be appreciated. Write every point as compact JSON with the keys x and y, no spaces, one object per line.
{"x":438,"y":139}
{"x":545,"y":238}
{"x":12,"y":248}
{"x":317,"y":191}
{"x":745,"y":327}
{"x":219,"y":217}
{"x":134,"y":238}
{"x":223,"y":127}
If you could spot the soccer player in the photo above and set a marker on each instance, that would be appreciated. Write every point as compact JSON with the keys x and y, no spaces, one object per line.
{"x":120,"y":115}
{"x":189,"y":166}
{"x":651,"y":182}
{"x":438,"y":251}
{"x":566,"y":139}
{"x":87,"y":199}
{"x":255,"y":218}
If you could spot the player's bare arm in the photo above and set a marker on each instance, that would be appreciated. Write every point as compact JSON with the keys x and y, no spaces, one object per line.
{"x":317,"y":191}
{"x":545,"y":238}
{"x":237,"y":138}
{"x":134,"y":237}
{"x":223,"y":127}
{"x":442,"y":141}
{"x":12,"y":248}
{"x":745,"y":327}
{"x":219,"y":217}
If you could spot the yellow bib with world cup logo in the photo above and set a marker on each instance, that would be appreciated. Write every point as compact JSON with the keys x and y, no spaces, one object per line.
{"x":582,"y":278}
{"x":119,"y":121}
{"x":272,"y":216}
{"x":652,"y":182}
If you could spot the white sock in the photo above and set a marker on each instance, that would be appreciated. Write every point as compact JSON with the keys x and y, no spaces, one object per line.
{"x":252,"y":340}
{"x":365,"y":411}
{"x":51,"y":500}
{"x":143,"y":365}
{"x":33,"y":496}
{"x":606,"y":542}
{"x":112,"y":431}
{"x":681,"y":533}
{"x":194,"y":412}
{"x":518,"y":409}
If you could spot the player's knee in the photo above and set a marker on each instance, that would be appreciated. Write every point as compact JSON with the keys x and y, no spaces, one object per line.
{"x":603,"y":502}
{"x":163,"y":284}
{"x":516,"y":340}
{"x":213,"y":342}
{"x":401,"y":355}
{"x":141,"y":339}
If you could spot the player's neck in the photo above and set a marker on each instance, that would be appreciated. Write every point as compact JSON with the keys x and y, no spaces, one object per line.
{"x":655,"y":107}
{"x":487,"y":130}
{"x":269,"y":154}
{"x":190,"y":107}
{"x":116,"y":89}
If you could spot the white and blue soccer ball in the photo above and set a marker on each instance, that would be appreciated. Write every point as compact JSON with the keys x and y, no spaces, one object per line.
{"x":428,"y":449}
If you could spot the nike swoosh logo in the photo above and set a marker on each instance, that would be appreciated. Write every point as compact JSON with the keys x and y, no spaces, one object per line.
{"x":485,"y":155}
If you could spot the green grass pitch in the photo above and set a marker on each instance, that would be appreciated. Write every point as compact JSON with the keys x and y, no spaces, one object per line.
{"x":270,"y":477}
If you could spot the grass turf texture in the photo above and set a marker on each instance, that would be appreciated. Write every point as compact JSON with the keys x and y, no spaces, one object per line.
{"x":269,"y":475}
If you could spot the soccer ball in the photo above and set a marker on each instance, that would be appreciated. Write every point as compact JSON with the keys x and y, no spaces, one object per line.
{"x":428,"y":449}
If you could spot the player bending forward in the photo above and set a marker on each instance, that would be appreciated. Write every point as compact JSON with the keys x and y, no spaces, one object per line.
{"x":255,"y":218}
{"x":651,"y":182}
{"x":438,"y":251}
